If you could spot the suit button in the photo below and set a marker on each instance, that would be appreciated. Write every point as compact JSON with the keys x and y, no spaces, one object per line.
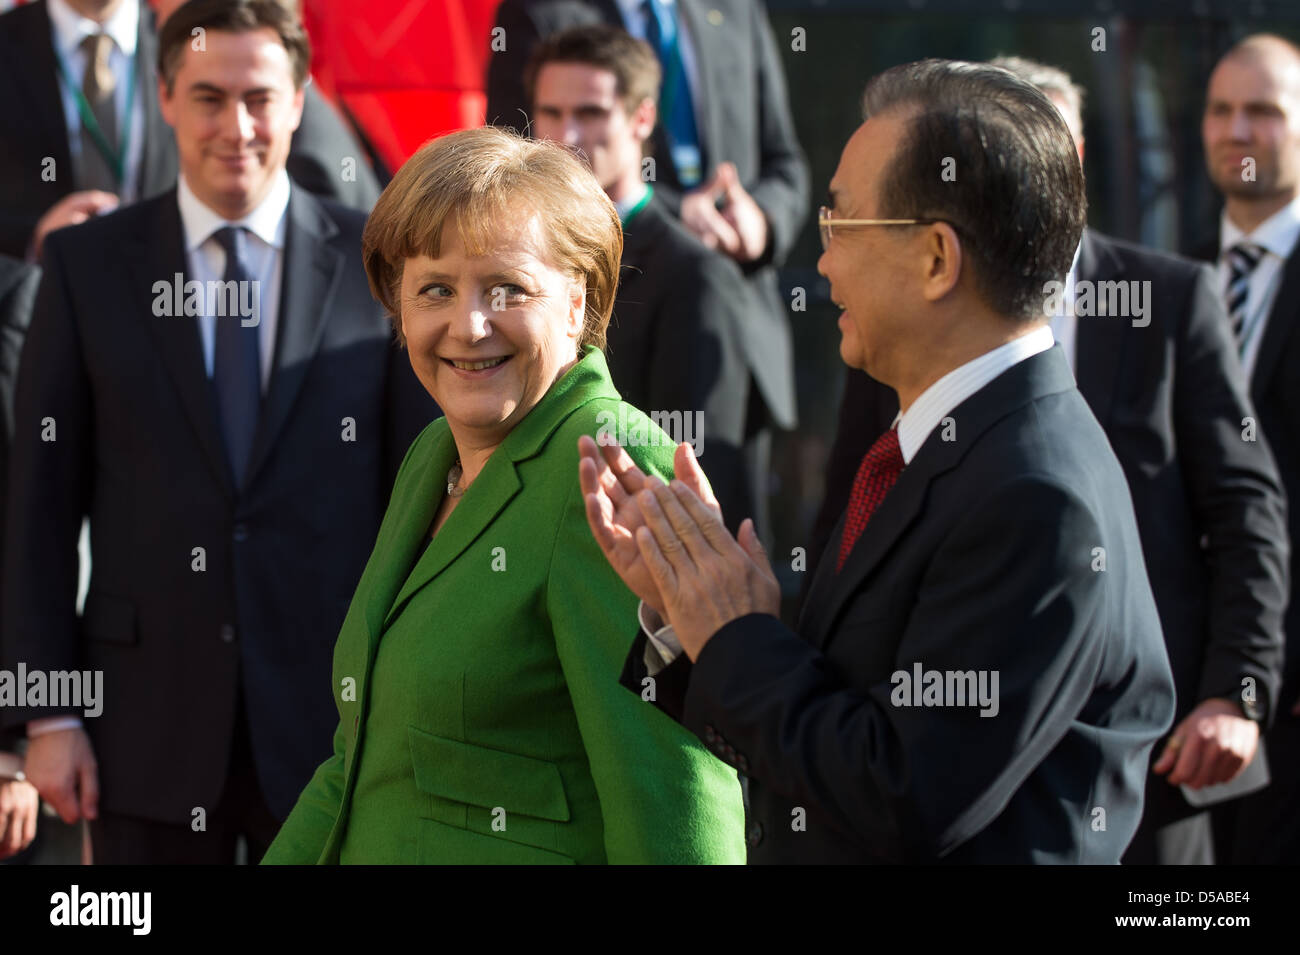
{"x":240,"y":533}
{"x":755,"y":834}
{"x":710,"y":734}
{"x":227,"y":633}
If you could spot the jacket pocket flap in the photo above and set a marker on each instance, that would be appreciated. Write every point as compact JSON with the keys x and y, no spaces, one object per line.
{"x":109,"y":618}
{"x":479,"y":776}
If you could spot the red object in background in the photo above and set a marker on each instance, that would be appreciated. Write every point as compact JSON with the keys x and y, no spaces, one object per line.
{"x":406,"y":70}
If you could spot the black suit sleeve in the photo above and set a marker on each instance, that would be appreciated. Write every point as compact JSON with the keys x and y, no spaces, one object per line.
{"x":669,"y":684}
{"x":1010,"y":591}
{"x":48,"y":489}
{"x":1234,"y":486}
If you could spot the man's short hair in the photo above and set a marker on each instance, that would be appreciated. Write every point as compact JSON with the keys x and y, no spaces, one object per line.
{"x":1015,"y":196}
{"x":232,"y":16}
{"x":1052,"y":80}
{"x":632,"y":61}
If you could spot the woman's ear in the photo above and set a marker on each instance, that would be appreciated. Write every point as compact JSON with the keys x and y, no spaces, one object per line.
{"x":577,"y":308}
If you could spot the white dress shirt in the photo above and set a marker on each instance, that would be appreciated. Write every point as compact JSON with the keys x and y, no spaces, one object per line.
{"x":914,"y":427}
{"x":1277,"y":235}
{"x":70,"y":28}
{"x":207,"y":260}
{"x":1065,"y":324}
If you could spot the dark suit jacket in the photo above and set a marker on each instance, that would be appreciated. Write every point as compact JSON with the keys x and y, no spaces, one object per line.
{"x":674,"y":344}
{"x":138,"y":448}
{"x":744,"y":118}
{"x":1173,"y":401}
{"x":1266,"y":829}
{"x":316,"y":154}
{"x":18,"y":282}
{"x":983,"y":557}
{"x":33,"y":126}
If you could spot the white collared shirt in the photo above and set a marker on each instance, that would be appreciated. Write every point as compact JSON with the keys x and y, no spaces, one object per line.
{"x":1277,"y":235}
{"x":68,"y":29}
{"x":1065,"y":324}
{"x":634,"y":19}
{"x":928,"y":411}
{"x":914,"y":427}
{"x":207,"y":260}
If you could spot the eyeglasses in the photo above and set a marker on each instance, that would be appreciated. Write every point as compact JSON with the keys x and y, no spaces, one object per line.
{"x":824,"y":220}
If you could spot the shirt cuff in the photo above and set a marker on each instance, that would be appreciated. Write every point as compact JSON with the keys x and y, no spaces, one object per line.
{"x":662,"y":646}
{"x":51,"y":724}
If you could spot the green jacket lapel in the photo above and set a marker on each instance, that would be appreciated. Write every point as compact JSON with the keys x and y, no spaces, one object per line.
{"x":491,"y":491}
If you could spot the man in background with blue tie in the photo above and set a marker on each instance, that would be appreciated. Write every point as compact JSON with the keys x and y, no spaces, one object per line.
{"x":1251,"y":133}
{"x":81,"y":131}
{"x":726,"y":159}
{"x":208,"y":379}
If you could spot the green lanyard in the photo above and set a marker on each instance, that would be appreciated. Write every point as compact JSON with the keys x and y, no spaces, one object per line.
{"x":116,"y":159}
{"x":641,"y":204}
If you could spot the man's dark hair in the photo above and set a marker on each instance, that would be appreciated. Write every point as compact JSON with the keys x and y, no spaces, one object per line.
{"x":1016,"y":196}
{"x":232,"y":16}
{"x":632,"y":61}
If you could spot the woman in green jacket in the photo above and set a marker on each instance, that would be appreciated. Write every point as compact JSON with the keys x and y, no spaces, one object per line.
{"x":476,"y":674}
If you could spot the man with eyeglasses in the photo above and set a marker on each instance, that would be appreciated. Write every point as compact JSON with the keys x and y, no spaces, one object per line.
{"x":1164,"y":382}
{"x":978,"y":675}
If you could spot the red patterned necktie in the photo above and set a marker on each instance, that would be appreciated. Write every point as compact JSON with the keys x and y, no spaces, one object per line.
{"x":877,"y":473}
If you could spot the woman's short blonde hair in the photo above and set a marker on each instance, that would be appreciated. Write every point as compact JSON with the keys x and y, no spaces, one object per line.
{"x":490,"y":182}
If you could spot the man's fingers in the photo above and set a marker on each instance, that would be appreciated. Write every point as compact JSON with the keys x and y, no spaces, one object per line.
{"x":29,"y":823}
{"x":1169,"y":755}
{"x":601,"y":527}
{"x":680,"y":527}
{"x":705,"y":518}
{"x":748,"y":539}
{"x":88,"y":784}
{"x":687,"y":469}
{"x":661,"y":526}
{"x":64,"y":801}
{"x":1189,"y":759}
{"x":629,"y":477}
{"x":661,"y":569}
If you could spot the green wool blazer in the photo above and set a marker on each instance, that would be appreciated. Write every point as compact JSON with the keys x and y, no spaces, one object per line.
{"x":476,"y":675}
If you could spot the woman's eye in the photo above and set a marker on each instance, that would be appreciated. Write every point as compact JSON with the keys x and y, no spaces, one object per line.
{"x":436,"y":291}
{"x":506,"y":292}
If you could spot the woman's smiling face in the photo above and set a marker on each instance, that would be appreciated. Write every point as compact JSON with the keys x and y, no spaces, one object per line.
{"x":489,"y":334}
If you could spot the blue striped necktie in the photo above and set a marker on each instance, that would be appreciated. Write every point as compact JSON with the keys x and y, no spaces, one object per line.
{"x":236,"y":366}
{"x":1242,"y":260}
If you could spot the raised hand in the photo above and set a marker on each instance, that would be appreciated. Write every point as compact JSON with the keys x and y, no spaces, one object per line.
{"x":610,"y":481}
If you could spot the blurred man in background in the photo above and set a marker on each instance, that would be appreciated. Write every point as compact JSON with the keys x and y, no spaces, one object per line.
{"x":727,"y":162}
{"x":674,"y":341}
{"x":234,"y":456}
{"x":1251,"y":133}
